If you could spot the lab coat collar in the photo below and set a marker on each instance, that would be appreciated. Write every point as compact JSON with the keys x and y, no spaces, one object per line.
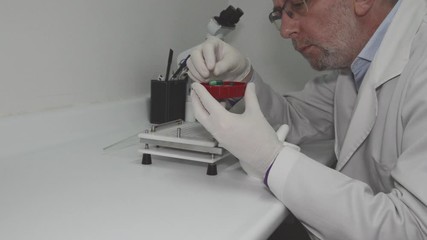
{"x":387,"y":64}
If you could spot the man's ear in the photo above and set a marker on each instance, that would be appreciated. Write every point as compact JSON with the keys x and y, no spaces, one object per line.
{"x":362,"y":7}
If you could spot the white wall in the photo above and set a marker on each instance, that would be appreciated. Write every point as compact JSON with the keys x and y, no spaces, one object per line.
{"x":272,"y":56}
{"x":57,"y":53}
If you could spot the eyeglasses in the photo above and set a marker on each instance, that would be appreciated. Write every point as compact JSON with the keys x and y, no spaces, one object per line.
{"x":292,"y":8}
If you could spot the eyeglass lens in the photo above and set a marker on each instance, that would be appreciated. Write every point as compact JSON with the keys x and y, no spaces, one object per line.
{"x":292,"y":8}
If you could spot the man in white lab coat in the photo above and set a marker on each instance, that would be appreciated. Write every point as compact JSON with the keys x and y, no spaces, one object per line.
{"x":374,"y":106}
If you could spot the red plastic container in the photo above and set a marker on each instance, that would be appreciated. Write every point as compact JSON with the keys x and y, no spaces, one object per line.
{"x":226,"y":90}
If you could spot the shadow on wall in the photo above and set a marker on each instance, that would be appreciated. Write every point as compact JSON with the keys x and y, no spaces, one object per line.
{"x":82,"y":52}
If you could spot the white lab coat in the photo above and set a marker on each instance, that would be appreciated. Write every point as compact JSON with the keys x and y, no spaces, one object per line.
{"x":379,"y":187}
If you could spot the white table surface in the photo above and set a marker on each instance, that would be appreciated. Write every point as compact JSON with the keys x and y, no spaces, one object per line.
{"x":76,"y":190}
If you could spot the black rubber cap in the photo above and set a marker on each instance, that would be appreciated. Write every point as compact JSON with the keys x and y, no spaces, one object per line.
{"x":229,"y":17}
{"x":146,"y":159}
{"x":212,"y":169}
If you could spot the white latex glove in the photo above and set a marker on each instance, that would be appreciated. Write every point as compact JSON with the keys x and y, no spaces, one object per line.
{"x":281,"y":133}
{"x":217,"y":60}
{"x":248,"y":136}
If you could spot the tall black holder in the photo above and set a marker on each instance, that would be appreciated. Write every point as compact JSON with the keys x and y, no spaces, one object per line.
{"x":167,"y":100}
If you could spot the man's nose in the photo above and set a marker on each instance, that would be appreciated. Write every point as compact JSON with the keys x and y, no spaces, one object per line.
{"x":289,"y":27}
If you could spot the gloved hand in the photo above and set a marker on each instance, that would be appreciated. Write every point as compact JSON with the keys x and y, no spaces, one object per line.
{"x":248,"y":136}
{"x":218,"y":60}
{"x":281,"y":133}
